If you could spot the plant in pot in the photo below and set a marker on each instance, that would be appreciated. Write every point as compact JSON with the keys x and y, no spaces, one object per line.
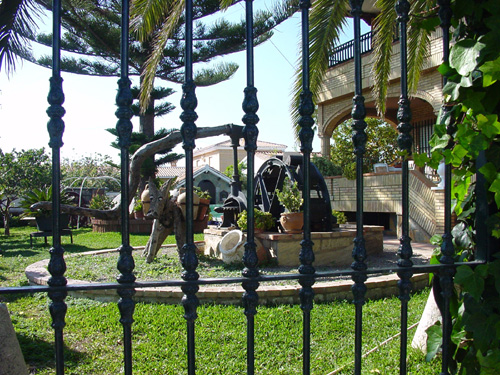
{"x":138,"y":214}
{"x":262,"y":220}
{"x":204,"y":203}
{"x":290,"y":197}
{"x":43,"y":217}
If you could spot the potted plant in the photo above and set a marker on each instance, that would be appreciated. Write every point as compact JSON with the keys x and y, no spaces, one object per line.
{"x":43,"y":217}
{"x":292,"y":220}
{"x":138,"y":214}
{"x":262,"y":220}
{"x":204,"y":203}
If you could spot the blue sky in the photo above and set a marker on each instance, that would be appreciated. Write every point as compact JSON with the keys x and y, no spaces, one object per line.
{"x":90,"y":101}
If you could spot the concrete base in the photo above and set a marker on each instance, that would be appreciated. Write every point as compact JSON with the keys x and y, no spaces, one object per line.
{"x":11,"y":357}
{"x":330,"y":248}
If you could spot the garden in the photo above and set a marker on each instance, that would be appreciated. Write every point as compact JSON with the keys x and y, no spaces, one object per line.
{"x":93,"y":334}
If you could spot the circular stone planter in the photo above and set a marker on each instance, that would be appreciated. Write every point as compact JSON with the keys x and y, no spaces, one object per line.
{"x":377,"y":287}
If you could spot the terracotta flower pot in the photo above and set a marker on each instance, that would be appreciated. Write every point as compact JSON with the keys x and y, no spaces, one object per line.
{"x":203,"y":208}
{"x":292,"y":222}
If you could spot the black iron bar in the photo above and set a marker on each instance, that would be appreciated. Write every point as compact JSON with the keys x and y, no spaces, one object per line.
{"x":433,"y":268}
{"x":55,"y":127}
{"x":188,"y":117}
{"x":447,"y":248}
{"x":359,"y":142}
{"x":125,"y":265}
{"x":250,"y":133}
{"x":306,"y":135}
{"x":405,"y":144}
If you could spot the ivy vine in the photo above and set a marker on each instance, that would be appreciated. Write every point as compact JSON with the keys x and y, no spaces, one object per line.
{"x":467,"y":137}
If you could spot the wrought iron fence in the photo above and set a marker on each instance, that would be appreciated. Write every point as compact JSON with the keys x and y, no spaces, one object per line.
{"x":57,"y":288}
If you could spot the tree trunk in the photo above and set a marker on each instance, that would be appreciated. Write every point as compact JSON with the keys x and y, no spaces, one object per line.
{"x":147,"y":121}
{"x":6,"y":222}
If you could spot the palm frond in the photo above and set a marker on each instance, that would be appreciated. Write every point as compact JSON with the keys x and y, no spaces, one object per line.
{"x":326,"y":20}
{"x":159,"y":44}
{"x":17,"y":25}
{"x":419,"y":39}
{"x":147,"y":15}
{"x":383,"y":37}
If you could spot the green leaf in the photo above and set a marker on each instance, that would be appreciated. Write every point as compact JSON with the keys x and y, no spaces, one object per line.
{"x":495,"y":188}
{"x":495,"y":185}
{"x":429,"y":24}
{"x":493,"y":223}
{"x":446,"y":70}
{"x":464,"y":56}
{"x":490,"y":363}
{"x":494,"y":270}
{"x":489,"y":171}
{"x":457,"y":337}
{"x":489,"y":124}
{"x":439,"y":142}
{"x":479,"y":143}
{"x":491,"y":72}
{"x":436,"y":240}
{"x":483,"y":327}
{"x":466,"y":81}
{"x":459,"y":152}
{"x":452,"y":89}
{"x":481,"y":271}
{"x":434,"y":341}
{"x":421,"y":159}
{"x":472,"y":283}
{"x":474,"y":101}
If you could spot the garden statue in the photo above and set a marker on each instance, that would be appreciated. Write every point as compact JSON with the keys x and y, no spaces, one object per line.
{"x":167,"y":217}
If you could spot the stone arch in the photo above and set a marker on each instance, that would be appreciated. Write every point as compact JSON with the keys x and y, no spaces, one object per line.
{"x":423,"y":104}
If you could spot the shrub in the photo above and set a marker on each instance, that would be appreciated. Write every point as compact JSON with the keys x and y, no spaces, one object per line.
{"x":341,"y":218}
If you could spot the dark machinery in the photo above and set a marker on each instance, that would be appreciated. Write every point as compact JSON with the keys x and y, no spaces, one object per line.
{"x":271,"y":176}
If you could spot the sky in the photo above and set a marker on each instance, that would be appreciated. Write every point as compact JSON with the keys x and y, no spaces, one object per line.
{"x":90,"y":101}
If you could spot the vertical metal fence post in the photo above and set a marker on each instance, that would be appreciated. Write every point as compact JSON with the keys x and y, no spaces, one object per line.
{"x":359,"y":142}
{"x":306,"y":134}
{"x":250,"y":133}
{"x":125,"y":265}
{"x":405,"y":144}
{"x":188,"y":131}
{"x":55,"y":127}
{"x":447,"y":249}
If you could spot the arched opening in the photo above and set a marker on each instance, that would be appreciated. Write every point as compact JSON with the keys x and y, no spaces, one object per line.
{"x":207,"y":185}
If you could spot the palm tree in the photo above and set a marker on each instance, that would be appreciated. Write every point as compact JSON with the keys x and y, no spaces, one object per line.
{"x":17,"y":25}
{"x":327,"y":19}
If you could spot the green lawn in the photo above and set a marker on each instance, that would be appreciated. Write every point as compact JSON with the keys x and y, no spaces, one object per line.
{"x":93,"y":333}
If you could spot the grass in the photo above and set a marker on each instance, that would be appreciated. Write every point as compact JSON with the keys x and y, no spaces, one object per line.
{"x":93,"y":334}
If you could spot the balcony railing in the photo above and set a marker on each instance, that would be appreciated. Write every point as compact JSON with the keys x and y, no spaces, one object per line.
{"x":345,"y":52}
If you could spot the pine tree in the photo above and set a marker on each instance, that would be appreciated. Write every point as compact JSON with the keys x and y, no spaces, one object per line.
{"x":91,"y":30}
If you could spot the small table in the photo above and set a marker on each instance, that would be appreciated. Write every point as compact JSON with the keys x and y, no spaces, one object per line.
{"x":48,"y":233}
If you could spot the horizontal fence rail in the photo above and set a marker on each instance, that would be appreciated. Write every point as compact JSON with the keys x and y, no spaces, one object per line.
{"x":251,"y":278}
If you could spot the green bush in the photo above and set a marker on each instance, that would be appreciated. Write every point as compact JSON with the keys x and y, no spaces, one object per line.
{"x":326,"y":167}
{"x":101,"y":202}
{"x":262,"y":220}
{"x":341,"y":218}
